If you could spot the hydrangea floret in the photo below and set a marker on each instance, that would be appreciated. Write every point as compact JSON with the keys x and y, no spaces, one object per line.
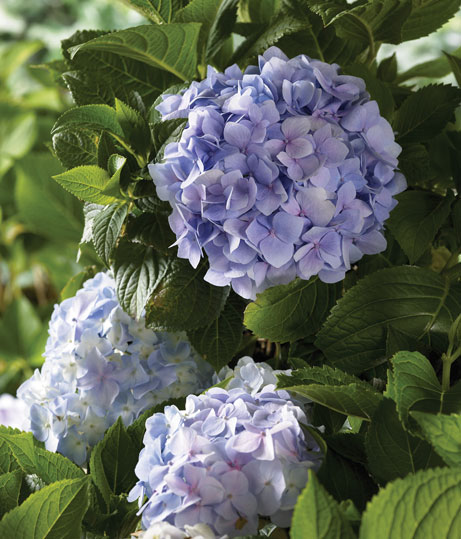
{"x":284,"y":170}
{"x":227,"y":458}
{"x":101,"y":364}
{"x":163,"y":530}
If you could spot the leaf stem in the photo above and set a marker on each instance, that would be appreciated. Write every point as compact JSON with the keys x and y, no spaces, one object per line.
{"x":446,"y":362}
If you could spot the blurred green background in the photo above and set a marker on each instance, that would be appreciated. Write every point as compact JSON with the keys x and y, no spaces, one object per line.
{"x":40,"y":223}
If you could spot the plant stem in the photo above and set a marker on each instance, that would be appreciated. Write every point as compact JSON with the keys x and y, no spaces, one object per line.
{"x":446,"y":361}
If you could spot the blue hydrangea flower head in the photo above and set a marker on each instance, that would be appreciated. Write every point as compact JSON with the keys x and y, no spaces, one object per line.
{"x":101,"y":364}
{"x":227,"y":458}
{"x":284,"y":170}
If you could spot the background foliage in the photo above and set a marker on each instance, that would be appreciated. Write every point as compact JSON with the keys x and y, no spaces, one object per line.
{"x":376,"y":354}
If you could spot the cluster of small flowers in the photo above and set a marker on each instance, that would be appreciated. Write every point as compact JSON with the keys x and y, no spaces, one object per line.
{"x":13,"y":412}
{"x":163,"y":530}
{"x":227,"y":458}
{"x":101,"y":364}
{"x":284,"y":170}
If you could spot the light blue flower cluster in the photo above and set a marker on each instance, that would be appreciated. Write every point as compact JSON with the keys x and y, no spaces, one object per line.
{"x":101,"y":364}
{"x":284,"y":170}
{"x":12,"y":412}
{"x":224,"y":460}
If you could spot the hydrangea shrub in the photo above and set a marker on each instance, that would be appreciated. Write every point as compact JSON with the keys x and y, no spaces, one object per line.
{"x":287,"y":169}
{"x":269,"y":145}
{"x":101,"y":364}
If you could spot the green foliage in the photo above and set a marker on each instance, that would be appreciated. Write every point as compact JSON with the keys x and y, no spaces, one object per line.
{"x":54,"y":512}
{"x":397,"y":512}
{"x":10,"y":488}
{"x":419,"y":302}
{"x":289,"y":312}
{"x":318,"y":516}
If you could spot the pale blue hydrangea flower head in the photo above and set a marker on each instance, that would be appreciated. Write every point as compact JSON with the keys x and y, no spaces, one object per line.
{"x":13,"y":412}
{"x":227,"y":458}
{"x":101,"y":364}
{"x":284,"y":170}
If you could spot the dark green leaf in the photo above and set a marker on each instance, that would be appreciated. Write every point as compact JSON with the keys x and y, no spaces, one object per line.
{"x":172,"y":47}
{"x":151,"y":229}
{"x":183,"y":300}
{"x":426,"y":112}
{"x":94,"y":117}
{"x":106,"y":229}
{"x":387,"y":69}
{"x":289,"y":312}
{"x":158,"y":11}
{"x":75,"y":148}
{"x":427,"y":16}
{"x":10,"y":488}
{"x":54,"y":512}
{"x":134,"y":126}
{"x":417,"y":301}
{"x":220,"y":341}
{"x":165,"y":132}
{"x":416,"y":220}
{"x":455,"y":64}
{"x":115,"y":456}
{"x":399,"y":512}
{"x":221,"y":28}
{"x":317,"y":515}
{"x":139,"y":270}
{"x":393,"y":452}
{"x":52,"y":467}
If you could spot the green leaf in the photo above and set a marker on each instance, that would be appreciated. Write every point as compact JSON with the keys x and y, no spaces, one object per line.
{"x":444,"y":434}
{"x":158,"y":11}
{"x":14,"y":55}
{"x":292,"y":311}
{"x":21,"y":445}
{"x":381,"y":20}
{"x":138,"y":270}
{"x":221,"y":28}
{"x":52,"y":467}
{"x":427,"y":16}
{"x":43,"y":205}
{"x":94,"y":117}
{"x":416,"y":506}
{"x":392,"y":452}
{"x":417,"y":301}
{"x":455,"y":64}
{"x":183,"y":300}
{"x":220,"y":341}
{"x":54,"y":512}
{"x":426,"y":112}
{"x":106,"y":229}
{"x":151,"y":229}
{"x":86,"y":183}
{"x":415,"y":385}
{"x":433,"y":69}
{"x":134,"y":126}
{"x":387,"y":69}
{"x":18,"y":132}
{"x":172,"y":47}
{"x":10,"y":488}
{"x":115,"y":456}
{"x":416,"y":220}
{"x":317,"y":515}
{"x":74,"y":148}
{"x":352,"y":399}
{"x":324,"y":375}
{"x":165,"y":132}
{"x":109,"y":75}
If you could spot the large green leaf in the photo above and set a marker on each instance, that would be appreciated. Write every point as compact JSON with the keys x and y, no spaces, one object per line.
{"x":94,"y":117}
{"x":158,"y":11}
{"x":78,"y":147}
{"x":87,"y":183}
{"x":425,"y":504}
{"x":444,"y":434}
{"x":417,"y":301}
{"x":106,"y":229}
{"x":183,"y":300}
{"x":427,"y":16}
{"x":172,"y":47}
{"x":417,"y":219}
{"x":151,"y":229}
{"x":43,"y":205}
{"x":220,"y":341}
{"x":317,"y":515}
{"x":10,"y":488}
{"x":54,"y":512}
{"x":391,"y":451}
{"x":292,"y":311}
{"x":426,"y":112}
{"x":138,"y":270}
